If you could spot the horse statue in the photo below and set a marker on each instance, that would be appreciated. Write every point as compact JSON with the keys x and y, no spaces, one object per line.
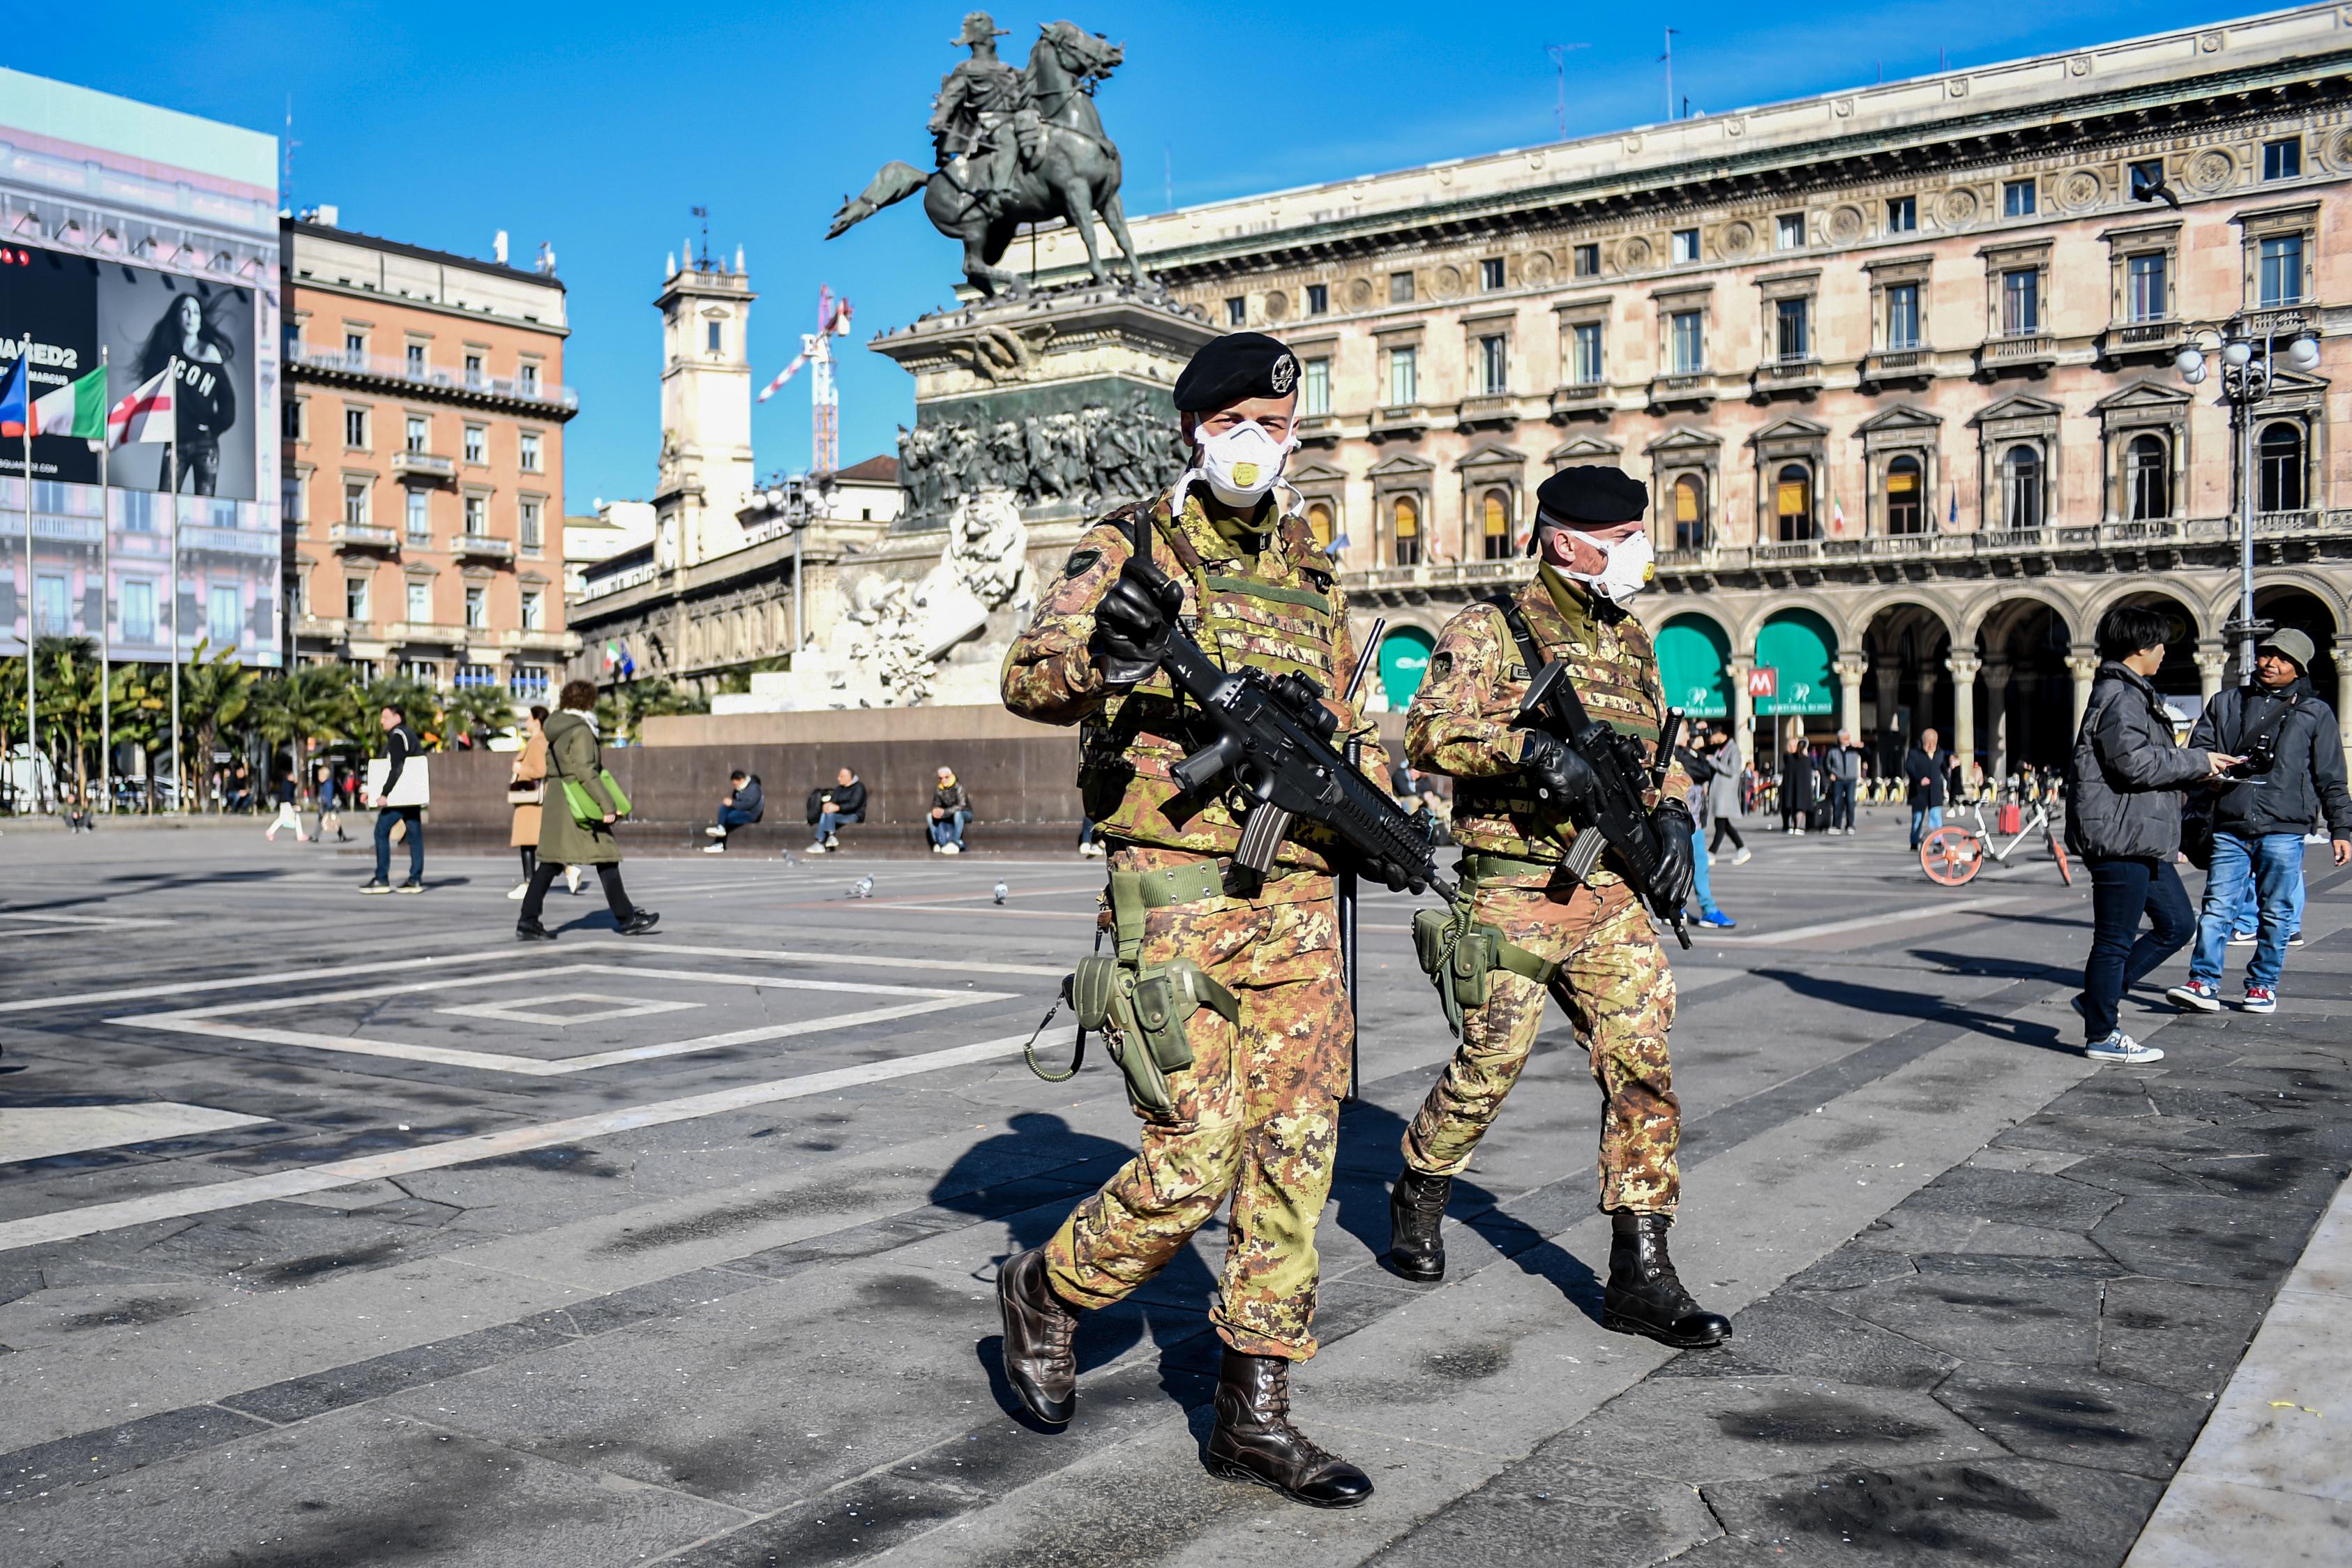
{"x":1051,"y":161}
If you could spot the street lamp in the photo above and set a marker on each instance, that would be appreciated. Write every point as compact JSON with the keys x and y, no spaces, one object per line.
{"x":2247,"y":349}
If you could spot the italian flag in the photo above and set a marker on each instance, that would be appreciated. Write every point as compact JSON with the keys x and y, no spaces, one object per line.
{"x":144,"y":415}
{"x":76,"y":408}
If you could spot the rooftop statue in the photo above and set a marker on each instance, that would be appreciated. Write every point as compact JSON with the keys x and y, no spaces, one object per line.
{"x":1014,"y":147}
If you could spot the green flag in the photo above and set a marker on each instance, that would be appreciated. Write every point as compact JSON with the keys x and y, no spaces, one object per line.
{"x":76,"y":408}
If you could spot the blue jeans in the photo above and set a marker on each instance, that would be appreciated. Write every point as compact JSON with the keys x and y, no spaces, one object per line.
{"x":1841,"y":794}
{"x":1700,"y":889}
{"x":1925,"y":819}
{"x":2122,"y":890}
{"x":731,"y":817}
{"x":949,"y":829}
{"x":2246,"y":918}
{"x":828,"y":821}
{"x":2270,"y":871}
{"x":415,"y":817}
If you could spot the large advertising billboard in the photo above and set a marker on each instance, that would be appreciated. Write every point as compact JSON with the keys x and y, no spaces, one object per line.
{"x":66,"y":315}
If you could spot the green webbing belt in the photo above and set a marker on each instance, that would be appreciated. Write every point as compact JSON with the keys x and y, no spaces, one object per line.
{"x":1510,"y":955}
{"x":1485,"y":866}
{"x":1133,"y":893}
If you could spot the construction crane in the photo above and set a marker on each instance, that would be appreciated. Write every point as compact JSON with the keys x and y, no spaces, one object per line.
{"x":824,"y":398}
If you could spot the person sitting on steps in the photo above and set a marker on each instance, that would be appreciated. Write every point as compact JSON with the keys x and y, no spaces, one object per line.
{"x":845,"y":801}
{"x":740,"y":807}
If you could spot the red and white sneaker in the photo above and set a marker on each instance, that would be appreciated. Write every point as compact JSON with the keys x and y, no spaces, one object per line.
{"x":2199,"y":995}
{"x":2259,"y":999}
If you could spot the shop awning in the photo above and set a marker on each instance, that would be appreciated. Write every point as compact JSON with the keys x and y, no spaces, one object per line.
{"x":1404,"y":661}
{"x":1694,"y":665}
{"x":1796,"y":647}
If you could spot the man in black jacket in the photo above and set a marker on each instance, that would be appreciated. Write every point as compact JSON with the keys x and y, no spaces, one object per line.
{"x":845,"y":801}
{"x":1926,"y":768}
{"x":2294,"y":776}
{"x":2124,"y":786}
{"x":400,"y":745}
{"x":740,"y":807}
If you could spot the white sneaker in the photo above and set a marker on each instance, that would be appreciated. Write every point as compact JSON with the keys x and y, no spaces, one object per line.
{"x":1093,"y":851}
{"x":816,"y":848}
{"x":1744,"y":856}
{"x":2244,"y":939}
{"x":2121,"y":1047}
{"x":571,"y":878}
{"x":951,"y":849}
{"x":714,"y":832}
{"x":519,"y":889}
{"x":719,"y":848}
{"x":938,"y":849}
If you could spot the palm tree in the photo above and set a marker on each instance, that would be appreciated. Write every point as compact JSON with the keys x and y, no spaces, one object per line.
{"x":215,"y":692}
{"x":12,"y":721}
{"x":417,"y":702}
{"x":141,"y":699}
{"x":623,"y":710}
{"x":477,"y":711}
{"x":70,"y":694}
{"x":311,"y":703}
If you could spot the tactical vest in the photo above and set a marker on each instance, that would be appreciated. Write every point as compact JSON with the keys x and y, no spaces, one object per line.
{"x":1610,"y":660}
{"x":1278,"y":613}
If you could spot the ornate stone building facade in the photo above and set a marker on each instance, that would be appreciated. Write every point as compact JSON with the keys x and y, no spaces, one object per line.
{"x":1895,"y":363}
{"x":422,"y":423}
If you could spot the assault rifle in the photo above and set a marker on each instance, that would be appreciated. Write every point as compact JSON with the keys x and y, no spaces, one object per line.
{"x":1273,"y":738}
{"x":1612,"y":815}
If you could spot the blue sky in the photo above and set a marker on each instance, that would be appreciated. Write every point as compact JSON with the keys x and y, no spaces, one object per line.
{"x":597,"y":127}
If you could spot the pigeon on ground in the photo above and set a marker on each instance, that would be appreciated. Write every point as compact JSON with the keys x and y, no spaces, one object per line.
{"x":1001,"y":890}
{"x":862,"y":889}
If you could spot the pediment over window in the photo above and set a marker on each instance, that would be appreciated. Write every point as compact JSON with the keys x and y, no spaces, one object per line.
{"x":1403,"y":466}
{"x":2019,"y":405}
{"x":2141,"y":395}
{"x":1683,"y":441}
{"x":1493,"y":455}
{"x":1316,"y":473}
{"x":1790,"y":432}
{"x":1584,"y":449}
{"x":1902,"y":417}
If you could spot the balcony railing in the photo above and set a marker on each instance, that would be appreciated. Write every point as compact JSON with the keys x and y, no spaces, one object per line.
{"x":2021,"y":348}
{"x":1579,"y":395}
{"x":1398,"y":418}
{"x":1793,"y":374}
{"x":618,"y":582}
{"x":482,"y":547}
{"x":1684,"y":386}
{"x":2148,"y":334}
{"x":377,"y":367}
{"x":362,"y":536}
{"x":424,"y":466}
{"x":1473,"y":575}
{"x":1487,"y":408}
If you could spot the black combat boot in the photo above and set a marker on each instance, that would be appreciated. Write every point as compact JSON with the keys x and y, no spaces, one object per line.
{"x":1416,"y":1209}
{"x":1644,"y":1294}
{"x":1038,"y":1328}
{"x":1255,"y":1441}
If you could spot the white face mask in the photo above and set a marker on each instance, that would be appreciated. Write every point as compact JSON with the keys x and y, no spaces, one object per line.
{"x":1240,"y":465}
{"x":1630,"y":567}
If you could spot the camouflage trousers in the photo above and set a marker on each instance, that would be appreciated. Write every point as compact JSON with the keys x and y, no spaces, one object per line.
{"x":1257,"y":1119}
{"x":1620,"y":995}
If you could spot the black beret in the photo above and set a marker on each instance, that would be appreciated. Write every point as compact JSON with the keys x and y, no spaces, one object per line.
{"x":1593,"y":495}
{"x":1236,"y":366}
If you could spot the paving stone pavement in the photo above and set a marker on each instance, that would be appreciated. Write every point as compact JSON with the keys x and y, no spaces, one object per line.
{"x":1986,"y":1293}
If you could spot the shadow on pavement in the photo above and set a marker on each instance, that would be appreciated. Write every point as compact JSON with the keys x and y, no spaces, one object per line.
{"x":1886,"y":1002}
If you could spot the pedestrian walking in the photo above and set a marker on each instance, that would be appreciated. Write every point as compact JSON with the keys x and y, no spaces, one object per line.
{"x":1796,"y":786}
{"x":951,"y":814}
{"x":289,"y":809}
{"x":1727,"y":797}
{"x":579,"y":831}
{"x":1843,"y":765}
{"x":1927,"y":778}
{"x":404,"y":753}
{"x":1696,"y":762}
{"x":527,"y":796}
{"x":2294,"y":775}
{"x":2123,"y":818}
{"x":323,"y":797}
{"x":1255,"y":1116}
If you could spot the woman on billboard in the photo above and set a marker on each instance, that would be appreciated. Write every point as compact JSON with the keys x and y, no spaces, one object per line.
{"x":198,"y":353}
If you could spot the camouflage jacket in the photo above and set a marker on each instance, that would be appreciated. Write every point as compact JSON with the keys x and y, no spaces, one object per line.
{"x":1460,"y":721}
{"x":1280,"y":609}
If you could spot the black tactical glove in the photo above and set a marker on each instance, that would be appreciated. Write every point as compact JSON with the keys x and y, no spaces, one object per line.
{"x":1132,"y":620}
{"x":1673,"y":833}
{"x":1560,"y":777}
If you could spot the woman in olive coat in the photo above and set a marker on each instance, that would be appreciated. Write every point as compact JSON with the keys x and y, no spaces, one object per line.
{"x":575,"y":753}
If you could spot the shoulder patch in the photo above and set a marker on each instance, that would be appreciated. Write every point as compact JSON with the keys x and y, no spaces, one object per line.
{"x":1441,"y":665}
{"x":1081,"y":562}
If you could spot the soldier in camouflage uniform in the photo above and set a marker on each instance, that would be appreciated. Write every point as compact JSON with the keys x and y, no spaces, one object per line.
{"x":1256,"y":1114}
{"x":1611,"y":975}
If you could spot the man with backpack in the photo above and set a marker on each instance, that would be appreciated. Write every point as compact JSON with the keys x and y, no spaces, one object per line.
{"x":2293,"y":774}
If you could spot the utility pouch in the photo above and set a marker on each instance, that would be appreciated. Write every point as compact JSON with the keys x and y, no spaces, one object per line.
{"x":1141,"y":1017}
{"x":1460,"y":956}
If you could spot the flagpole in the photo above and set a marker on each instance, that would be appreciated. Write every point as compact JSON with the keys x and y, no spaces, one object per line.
{"x":172,"y":500}
{"x":105,"y":609}
{"x":32,"y":614}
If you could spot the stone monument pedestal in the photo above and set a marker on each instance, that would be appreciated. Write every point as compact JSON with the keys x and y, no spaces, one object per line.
{"x":1031,"y":416}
